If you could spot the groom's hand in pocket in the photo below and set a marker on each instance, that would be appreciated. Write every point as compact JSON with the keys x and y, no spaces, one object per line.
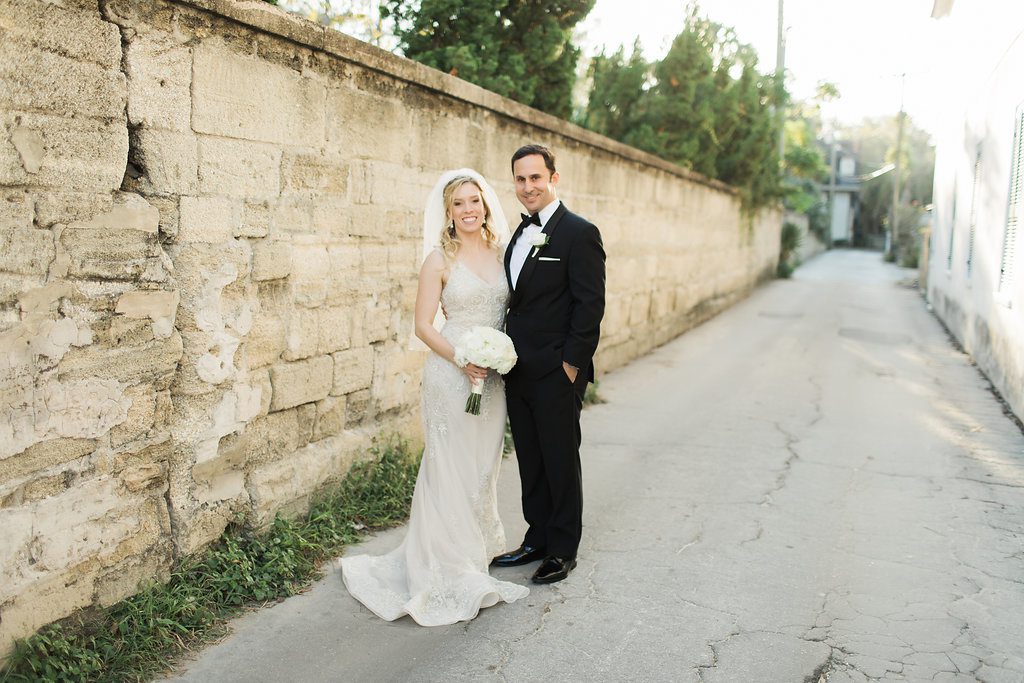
{"x":570,"y":371}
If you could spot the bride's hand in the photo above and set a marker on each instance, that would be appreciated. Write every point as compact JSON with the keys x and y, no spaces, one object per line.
{"x":474,"y":372}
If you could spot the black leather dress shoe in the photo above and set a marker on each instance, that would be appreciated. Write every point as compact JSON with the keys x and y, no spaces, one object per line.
{"x":553,"y":569}
{"x":524,"y":554}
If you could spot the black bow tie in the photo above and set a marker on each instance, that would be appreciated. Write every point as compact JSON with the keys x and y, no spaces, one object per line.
{"x":527,"y":219}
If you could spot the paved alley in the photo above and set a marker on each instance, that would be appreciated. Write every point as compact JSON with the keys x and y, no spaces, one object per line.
{"x":813,"y":486}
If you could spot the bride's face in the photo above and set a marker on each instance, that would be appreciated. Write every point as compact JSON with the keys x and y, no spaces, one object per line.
{"x":468,"y":209}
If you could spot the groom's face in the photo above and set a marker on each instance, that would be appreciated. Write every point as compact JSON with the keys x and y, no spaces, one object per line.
{"x":535,"y":184}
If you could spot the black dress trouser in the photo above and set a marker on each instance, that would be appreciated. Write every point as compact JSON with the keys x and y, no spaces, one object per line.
{"x":545,"y":418}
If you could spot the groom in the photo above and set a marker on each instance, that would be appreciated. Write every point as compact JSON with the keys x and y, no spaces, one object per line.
{"x":555,"y":267}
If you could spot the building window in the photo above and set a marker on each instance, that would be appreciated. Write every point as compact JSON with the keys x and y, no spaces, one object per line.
{"x":1015,"y":204}
{"x":974,"y":208}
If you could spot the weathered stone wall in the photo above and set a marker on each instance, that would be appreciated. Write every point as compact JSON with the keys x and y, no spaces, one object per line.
{"x":208,"y":253}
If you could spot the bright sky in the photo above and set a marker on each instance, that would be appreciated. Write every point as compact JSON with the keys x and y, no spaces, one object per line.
{"x":861,"y":46}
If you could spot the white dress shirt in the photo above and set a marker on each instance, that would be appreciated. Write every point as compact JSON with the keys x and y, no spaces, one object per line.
{"x":521,"y":249}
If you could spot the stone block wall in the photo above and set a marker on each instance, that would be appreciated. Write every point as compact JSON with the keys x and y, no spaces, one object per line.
{"x":209,"y":243}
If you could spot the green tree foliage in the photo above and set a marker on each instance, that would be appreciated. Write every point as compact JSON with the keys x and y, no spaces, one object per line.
{"x":617,"y":106}
{"x":806,"y":165}
{"x":517,"y":48}
{"x":704,"y":106}
{"x":874,"y":143}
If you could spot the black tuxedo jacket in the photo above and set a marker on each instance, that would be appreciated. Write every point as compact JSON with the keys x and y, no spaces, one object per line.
{"x":556,"y":308}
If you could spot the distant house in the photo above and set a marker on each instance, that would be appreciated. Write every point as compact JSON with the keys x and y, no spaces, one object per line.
{"x":841,"y":194}
{"x":976,"y":270}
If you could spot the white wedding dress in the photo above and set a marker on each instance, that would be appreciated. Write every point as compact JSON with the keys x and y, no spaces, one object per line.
{"x":438,"y":575}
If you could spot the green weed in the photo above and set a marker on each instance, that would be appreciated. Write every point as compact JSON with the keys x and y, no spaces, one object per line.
{"x":136,"y":638}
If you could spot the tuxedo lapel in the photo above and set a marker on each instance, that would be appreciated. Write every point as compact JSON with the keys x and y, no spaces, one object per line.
{"x":531,"y":260}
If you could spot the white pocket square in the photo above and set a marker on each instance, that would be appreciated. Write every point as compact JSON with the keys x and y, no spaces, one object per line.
{"x":547,"y":258}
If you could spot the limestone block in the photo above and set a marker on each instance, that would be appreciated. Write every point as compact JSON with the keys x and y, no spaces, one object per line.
{"x":663,"y":303}
{"x":311,"y":275}
{"x":255,"y":220}
{"x":54,"y":206}
{"x":82,"y":36}
{"x":100,"y":253}
{"x":76,"y":153}
{"x":26,"y":251}
{"x":392,"y":186}
{"x":43,"y":601}
{"x":266,"y":341}
{"x":344,"y":259}
{"x":16,"y":210}
{"x":373,"y":222}
{"x":222,"y":477}
{"x":140,"y":416}
{"x":333,"y":329}
{"x":314,"y":174}
{"x":242,"y":97}
{"x":35,"y":488}
{"x":85,"y":89}
{"x":169,"y":159}
{"x":292,"y":216}
{"x":239,"y":168}
{"x":123,"y":580}
{"x":330,"y":417}
{"x":374,"y":260}
{"x":126,"y":365}
{"x":128,"y":212}
{"x":353,"y":370}
{"x":261,"y":378}
{"x":85,"y":408}
{"x":331,"y":216}
{"x":639,"y":309}
{"x":359,"y":408}
{"x":57,"y":544}
{"x":376,"y":323}
{"x":404,"y":261}
{"x":355,"y":119}
{"x":141,"y":477}
{"x":44,"y":455}
{"x":303,"y":334}
{"x":271,"y":260}
{"x":301,"y":382}
{"x":157,"y":305}
{"x":160,"y":77}
{"x":305,"y":417}
{"x":212,"y":220}
{"x":274,"y":485}
{"x":272,"y":437}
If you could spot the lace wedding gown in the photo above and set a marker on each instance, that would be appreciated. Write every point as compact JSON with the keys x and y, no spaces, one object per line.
{"x":438,"y":575}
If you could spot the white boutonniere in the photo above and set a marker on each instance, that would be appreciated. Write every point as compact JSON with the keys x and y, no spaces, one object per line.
{"x":537,"y":241}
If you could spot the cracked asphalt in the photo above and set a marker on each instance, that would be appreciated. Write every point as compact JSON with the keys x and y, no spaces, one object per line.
{"x":813,"y":486}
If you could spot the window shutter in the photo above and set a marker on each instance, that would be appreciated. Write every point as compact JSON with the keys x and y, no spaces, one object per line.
{"x":974,"y":208}
{"x":1015,"y":205}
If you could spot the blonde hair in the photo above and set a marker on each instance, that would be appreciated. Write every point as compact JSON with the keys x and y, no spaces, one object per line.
{"x":449,"y":237}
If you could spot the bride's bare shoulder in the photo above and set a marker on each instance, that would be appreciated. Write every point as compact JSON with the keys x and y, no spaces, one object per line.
{"x":435,"y":265}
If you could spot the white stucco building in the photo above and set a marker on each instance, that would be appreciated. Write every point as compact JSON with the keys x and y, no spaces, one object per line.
{"x":976,"y":268}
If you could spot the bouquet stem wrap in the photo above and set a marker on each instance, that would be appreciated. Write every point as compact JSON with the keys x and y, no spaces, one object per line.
{"x":476,"y":390}
{"x":485,"y":347}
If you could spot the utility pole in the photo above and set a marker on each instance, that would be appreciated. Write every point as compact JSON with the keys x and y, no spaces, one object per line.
{"x":894,"y":228}
{"x":780,"y":78}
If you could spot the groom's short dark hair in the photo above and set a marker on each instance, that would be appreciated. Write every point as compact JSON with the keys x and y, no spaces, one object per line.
{"x":528,"y":150}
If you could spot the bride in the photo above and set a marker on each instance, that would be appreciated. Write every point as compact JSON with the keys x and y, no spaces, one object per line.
{"x":438,"y":575}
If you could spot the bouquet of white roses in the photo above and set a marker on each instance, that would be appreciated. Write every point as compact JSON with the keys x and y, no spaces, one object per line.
{"x":488,"y":348}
